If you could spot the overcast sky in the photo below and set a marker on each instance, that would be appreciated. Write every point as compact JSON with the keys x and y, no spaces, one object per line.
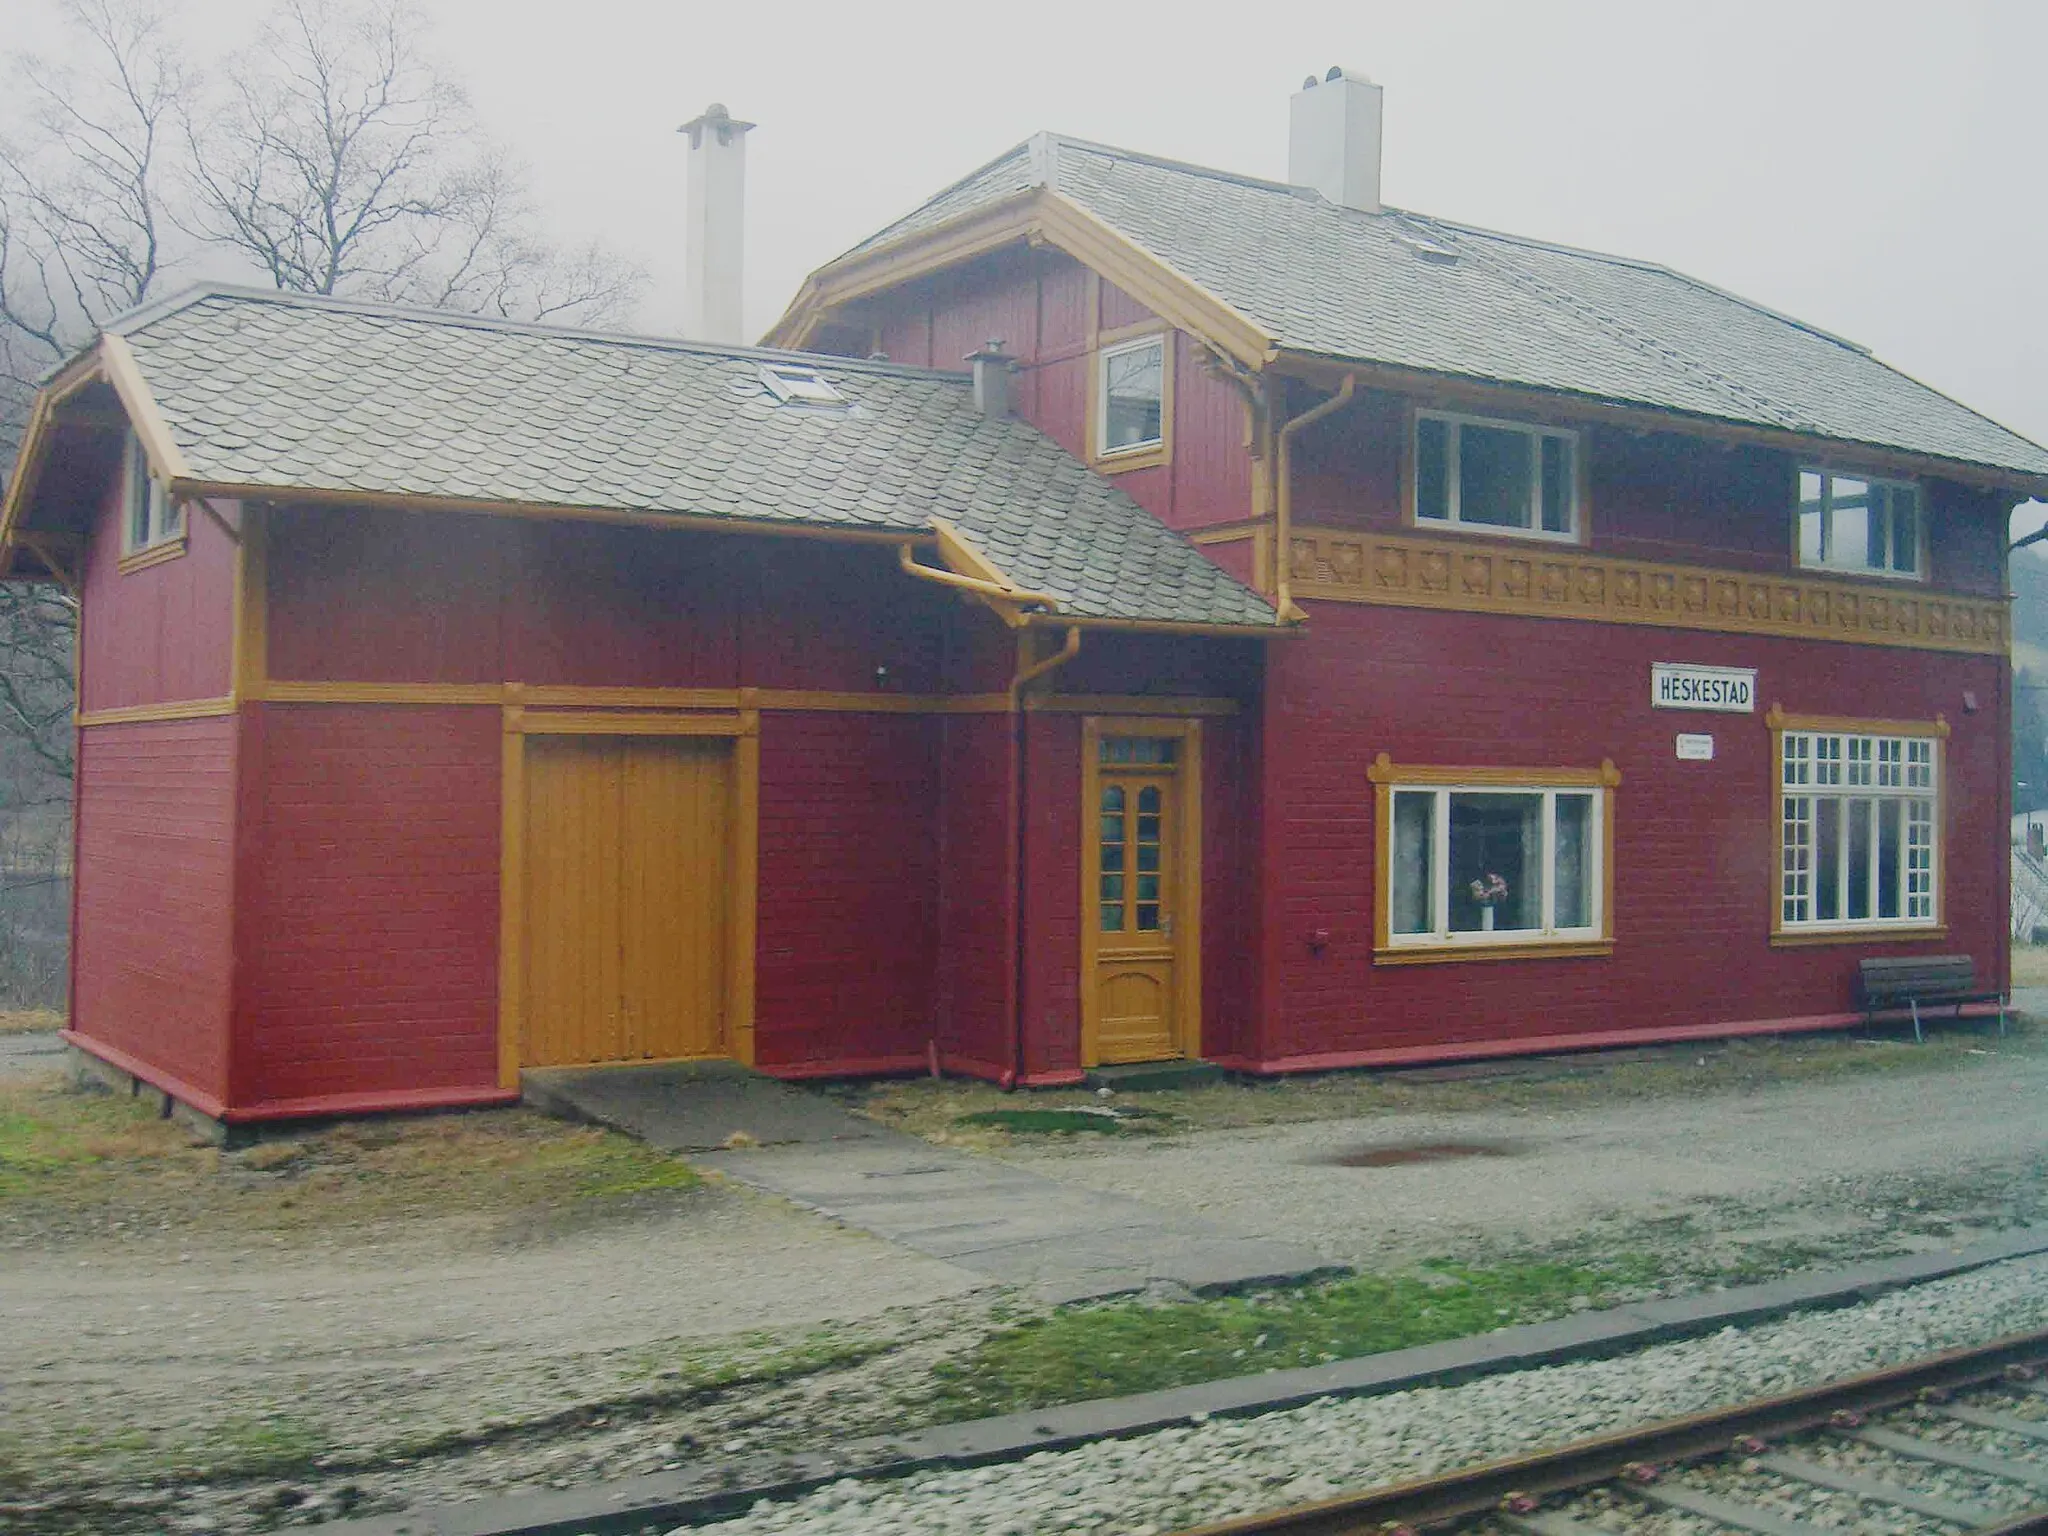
{"x":1878,"y":169}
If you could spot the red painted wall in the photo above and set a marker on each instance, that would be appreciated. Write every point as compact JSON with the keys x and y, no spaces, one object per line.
{"x":1037,"y":303}
{"x":151,"y":951}
{"x":848,"y":914}
{"x":975,"y":969}
{"x":1051,"y":1010}
{"x":367,"y":924}
{"x":1695,"y":846}
{"x":160,"y":634}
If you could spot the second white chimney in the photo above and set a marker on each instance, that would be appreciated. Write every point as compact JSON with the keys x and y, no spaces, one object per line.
{"x":712,"y":242}
{"x":1333,"y":139}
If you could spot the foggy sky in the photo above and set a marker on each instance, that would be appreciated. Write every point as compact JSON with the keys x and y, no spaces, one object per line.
{"x":1877,"y":169}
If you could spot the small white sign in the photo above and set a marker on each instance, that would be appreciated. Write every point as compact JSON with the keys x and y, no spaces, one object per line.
{"x":1727,"y":690}
{"x":1695,"y":749}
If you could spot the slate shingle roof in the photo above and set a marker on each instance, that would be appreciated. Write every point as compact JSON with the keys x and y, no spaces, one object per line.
{"x":268,"y":391}
{"x":1360,"y":287}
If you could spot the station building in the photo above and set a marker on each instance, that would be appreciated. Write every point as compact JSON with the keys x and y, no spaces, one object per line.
{"x":1128,"y":611}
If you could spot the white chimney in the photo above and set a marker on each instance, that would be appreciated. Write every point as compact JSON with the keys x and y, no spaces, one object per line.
{"x":712,"y":240}
{"x":1333,"y":139}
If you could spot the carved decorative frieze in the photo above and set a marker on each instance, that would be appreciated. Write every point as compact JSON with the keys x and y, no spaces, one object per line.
{"x":1334,"y":565}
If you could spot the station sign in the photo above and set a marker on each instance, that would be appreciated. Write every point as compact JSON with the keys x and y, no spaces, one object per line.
{"x":1680,"y":685}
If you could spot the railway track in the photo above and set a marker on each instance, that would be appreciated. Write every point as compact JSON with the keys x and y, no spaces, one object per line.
{"x":1880,"y":1452}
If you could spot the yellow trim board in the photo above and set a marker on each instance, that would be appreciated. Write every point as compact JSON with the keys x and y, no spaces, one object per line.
{"x":135,"y":714}
{"x":1038,"y":214}
{"x":148,"y":423}
{"x":1481,"y":574}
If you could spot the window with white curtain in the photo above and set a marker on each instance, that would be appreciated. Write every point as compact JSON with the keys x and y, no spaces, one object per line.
{"x":1489,"y":864}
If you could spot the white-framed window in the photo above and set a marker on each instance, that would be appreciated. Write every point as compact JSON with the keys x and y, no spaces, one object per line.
{"x":1857,"y":523}
{"x":1130,"y":397}
{"x":148,"y":515}
{"x":1487,"y":864}
{"x":1858,"y":834}
{"x":1499,"y":476}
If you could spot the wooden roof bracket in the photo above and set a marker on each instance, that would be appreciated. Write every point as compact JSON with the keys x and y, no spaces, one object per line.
{"x":970,"y":571}
{"x":1283,"y":498}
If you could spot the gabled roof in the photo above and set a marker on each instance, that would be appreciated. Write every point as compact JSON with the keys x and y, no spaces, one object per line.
{"x":1416,"y":293}
{"x":266,"y":394}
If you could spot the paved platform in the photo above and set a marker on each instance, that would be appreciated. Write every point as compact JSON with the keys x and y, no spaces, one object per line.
{"x":1021,"y":1228}
{"x":694,"y":1106}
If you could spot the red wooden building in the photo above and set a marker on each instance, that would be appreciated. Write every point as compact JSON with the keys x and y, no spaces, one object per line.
{"x":1327,"y":636}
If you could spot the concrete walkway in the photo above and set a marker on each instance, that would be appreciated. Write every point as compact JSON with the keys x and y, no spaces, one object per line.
{"x":1063,"y":1242}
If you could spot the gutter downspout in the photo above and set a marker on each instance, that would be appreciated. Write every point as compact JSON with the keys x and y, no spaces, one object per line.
{"x":1020,"y":763}
{"x":1283,"y":499}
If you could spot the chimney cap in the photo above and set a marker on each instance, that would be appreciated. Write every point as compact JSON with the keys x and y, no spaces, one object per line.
{"x":714,"y":119}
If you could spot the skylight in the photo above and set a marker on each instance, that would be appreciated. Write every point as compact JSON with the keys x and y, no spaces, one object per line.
{"x":799,"y":383}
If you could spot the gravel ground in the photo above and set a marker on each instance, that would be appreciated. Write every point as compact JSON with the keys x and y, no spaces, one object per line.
{"x":1807,"y":1161}
{"x":1214,"y":1471}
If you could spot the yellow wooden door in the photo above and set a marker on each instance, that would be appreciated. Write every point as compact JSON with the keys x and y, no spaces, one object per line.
{"x":1136,"y":859}
{"x":627,"y":852}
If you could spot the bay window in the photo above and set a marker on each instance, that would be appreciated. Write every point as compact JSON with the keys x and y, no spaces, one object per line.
{"x":1478,"y":859}
{"x":1858,"y":832}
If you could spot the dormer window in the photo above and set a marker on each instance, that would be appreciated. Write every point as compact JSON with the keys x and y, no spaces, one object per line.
{"x":1130,"y":405}
{"x":1855,"y":523}
{"x":799,"y":384}
{"x":1496,"y":476}
{"x":149,"y":517}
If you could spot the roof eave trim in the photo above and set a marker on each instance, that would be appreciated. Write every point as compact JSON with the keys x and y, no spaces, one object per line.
{"x":411,"y":501}
{"x":1035,"y":215}
{"x":86,"y":368}
{"x":1249,"y":631}
{"x":1324,"y":367}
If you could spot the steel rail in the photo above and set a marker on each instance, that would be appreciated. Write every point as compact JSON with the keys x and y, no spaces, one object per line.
{"x":1434,"y":1503}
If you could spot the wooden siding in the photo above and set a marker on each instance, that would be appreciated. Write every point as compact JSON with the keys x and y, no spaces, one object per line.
{"x":1051,"y":940}
{"x":161,"y":634}
{"x":1695,"y":844}
{"x":151,"y":951}
{"x":459,"y":599}
{"x":1661,"y":497}
{"x":847,"y":938}
{"x":367,"y":926}
{"x":976,"y":971}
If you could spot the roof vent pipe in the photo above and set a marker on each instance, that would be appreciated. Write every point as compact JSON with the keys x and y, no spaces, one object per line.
{"x":1333,"y":139}
{"x":992,"y":369}
{"x":712,"y":236}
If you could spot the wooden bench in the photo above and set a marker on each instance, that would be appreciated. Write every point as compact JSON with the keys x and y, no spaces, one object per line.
{"x":1935,"y":980}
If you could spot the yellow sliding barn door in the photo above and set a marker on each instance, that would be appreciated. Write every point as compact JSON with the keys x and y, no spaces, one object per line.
{"x":1141,"y":897}
{"x":626,"y":853}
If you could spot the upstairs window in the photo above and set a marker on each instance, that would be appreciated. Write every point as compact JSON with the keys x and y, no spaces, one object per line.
{"x":149,"y":517}
{"x":1497,"y":476}
{"x":1131,"y":397}
{"x":1855,"y":523}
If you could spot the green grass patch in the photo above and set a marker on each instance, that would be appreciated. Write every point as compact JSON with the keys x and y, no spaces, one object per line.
{"x":1065,"y":1122}
{"x":48,"y":1132}
{"x":1122,"y":1347}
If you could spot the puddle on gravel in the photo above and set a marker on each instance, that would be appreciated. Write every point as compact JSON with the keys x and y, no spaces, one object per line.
{"x":1418,"y":1152}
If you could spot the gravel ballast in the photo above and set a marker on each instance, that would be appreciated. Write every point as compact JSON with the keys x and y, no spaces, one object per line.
{"x":1191,"y":1475}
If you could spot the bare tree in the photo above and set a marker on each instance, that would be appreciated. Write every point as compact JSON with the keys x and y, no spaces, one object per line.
{"x":343,"y":161}
{"x":83,"y":189}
